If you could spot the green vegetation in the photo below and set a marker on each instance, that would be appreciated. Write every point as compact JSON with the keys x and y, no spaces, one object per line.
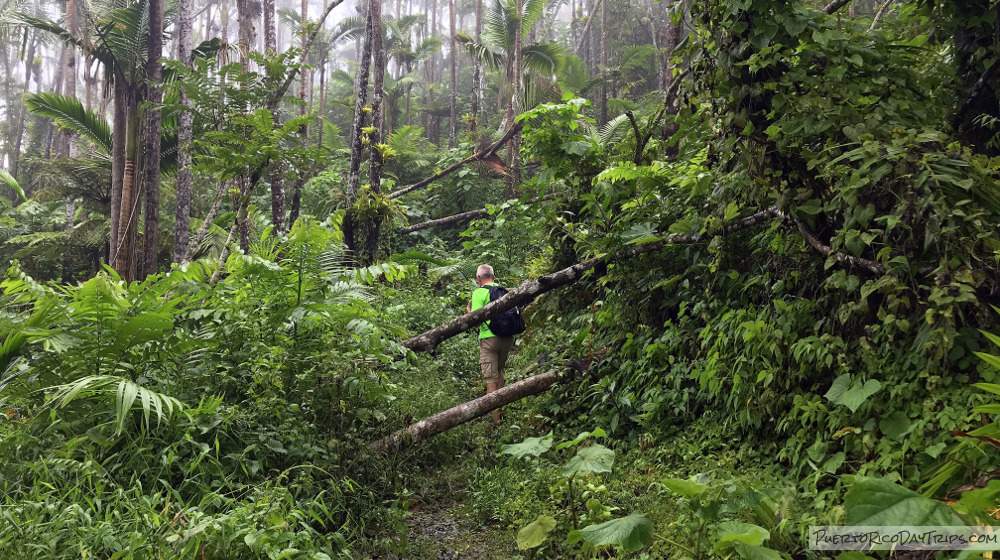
{"x":758,"y":240}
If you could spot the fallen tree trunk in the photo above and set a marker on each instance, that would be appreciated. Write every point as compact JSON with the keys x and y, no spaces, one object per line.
{"x":456,"y":218}
{"x":531,"y":289}
{"x":444,"y":421}
{"x":447,"y":220}
{"x":485,"y":154}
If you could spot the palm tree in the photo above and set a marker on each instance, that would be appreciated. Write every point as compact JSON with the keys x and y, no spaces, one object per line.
{"x":497,"y":51}
{"x":120,"y":47}
{"x":154,"y":127}
{"x":507,"y":21}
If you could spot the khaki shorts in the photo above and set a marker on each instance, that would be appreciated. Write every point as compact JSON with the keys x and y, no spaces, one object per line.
{"x":493,"y":353}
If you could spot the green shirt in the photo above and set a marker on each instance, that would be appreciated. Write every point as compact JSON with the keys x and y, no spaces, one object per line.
{"x":481,"y":297}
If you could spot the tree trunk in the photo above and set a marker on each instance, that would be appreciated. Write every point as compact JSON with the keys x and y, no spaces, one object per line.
{"x":124,"y":259}
{"x":604,"y":62}
{"x":515,"y":145}
{"x":586,"y":26}
{"x":182,"y":216}
{"x":432,"y":121}
{"x":303,"y":130}
{"x":456,"y":416}
{"x":206,"y":224}
{"x":459,"y":218}
{"x":357,"y":146}
{"x":453,"y":55}
{"x":375,"y":162}
{"x":117,"y":166}
{"x":277,"y":179}
{"x":151,"y":178}
{"x":477,"y":69}
{"x":29,"y":62}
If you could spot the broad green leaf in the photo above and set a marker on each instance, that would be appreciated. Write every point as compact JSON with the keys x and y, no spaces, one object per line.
{"x":877,"y":501}
{"x":595,"y":459}
{"x":895,"y":425}
{"x":751,"y":552}
{"x":851,"y":395}
{"x":978,"y":502}
{"x":533,"y":446}
{"x":989,"y":387}
{"x":535,"y":532}
{"x":583,"y":435}
{"x":731,"y":532}
{"x":631,"y":533}
{"x":687,"y":488}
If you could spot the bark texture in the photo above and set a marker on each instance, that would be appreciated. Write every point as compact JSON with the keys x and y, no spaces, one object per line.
{"x":453,"y":55}
{"x":444,"y":421}
{"x":375,"y":161}
{"x":182,"y":215}
{"x":151,"y":171}
{"x":477,"y":68}
{"x":277,"y":180}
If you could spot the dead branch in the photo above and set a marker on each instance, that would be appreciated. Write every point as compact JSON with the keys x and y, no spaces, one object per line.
{"x":484,"y":154}
{"x":456,"y":218}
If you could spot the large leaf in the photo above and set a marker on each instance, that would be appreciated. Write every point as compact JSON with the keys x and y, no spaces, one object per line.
{"x":530,"y":447}
{"x":631,"y":533}
{"x":752,"y":552}
{"x":851,"y":395}
{"x":687,"y":488}
{"x":877,"y":501}
{"x":595,"y":459}
{"x":535,"y":532}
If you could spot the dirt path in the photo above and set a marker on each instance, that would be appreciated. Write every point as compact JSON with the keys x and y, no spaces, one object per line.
{"x":440,"y":532}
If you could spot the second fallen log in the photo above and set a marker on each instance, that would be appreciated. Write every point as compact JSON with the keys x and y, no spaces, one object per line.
{"x":444,"y":421}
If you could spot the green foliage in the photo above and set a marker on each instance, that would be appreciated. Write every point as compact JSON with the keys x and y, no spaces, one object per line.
{"x":630,"y":533}
{"x":97,"y":375}
{"x":69,"y":113}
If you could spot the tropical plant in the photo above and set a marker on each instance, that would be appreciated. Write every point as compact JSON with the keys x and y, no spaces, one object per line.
{"x":496,"y":52}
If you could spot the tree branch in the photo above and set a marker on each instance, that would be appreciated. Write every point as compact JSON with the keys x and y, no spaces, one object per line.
{"x":485,"y":153}
{"x":844,"y":258}
{"x":832,"y":7}
{"x":586,"y":27}
{"x":879,"y":14}
{"x":456,"y":218}
{"x":531,"y":289}
{"x":280,"y":92}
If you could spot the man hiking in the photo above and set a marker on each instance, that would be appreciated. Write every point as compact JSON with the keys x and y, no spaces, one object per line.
{"x":493,"y":349}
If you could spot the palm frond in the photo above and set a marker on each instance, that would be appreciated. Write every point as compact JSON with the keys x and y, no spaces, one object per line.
{"x":11,"y":182}
{"x":493,"y":60}
{"x":531,"y":12}
{"x":348,"y":29}
{"x":125,"y":392}
{"x":69,"y":113}
{"x":542,"y":58}
{"x":612,"y":129}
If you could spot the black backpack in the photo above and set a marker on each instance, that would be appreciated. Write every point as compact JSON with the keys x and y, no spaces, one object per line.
{"x":507,"y":323}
